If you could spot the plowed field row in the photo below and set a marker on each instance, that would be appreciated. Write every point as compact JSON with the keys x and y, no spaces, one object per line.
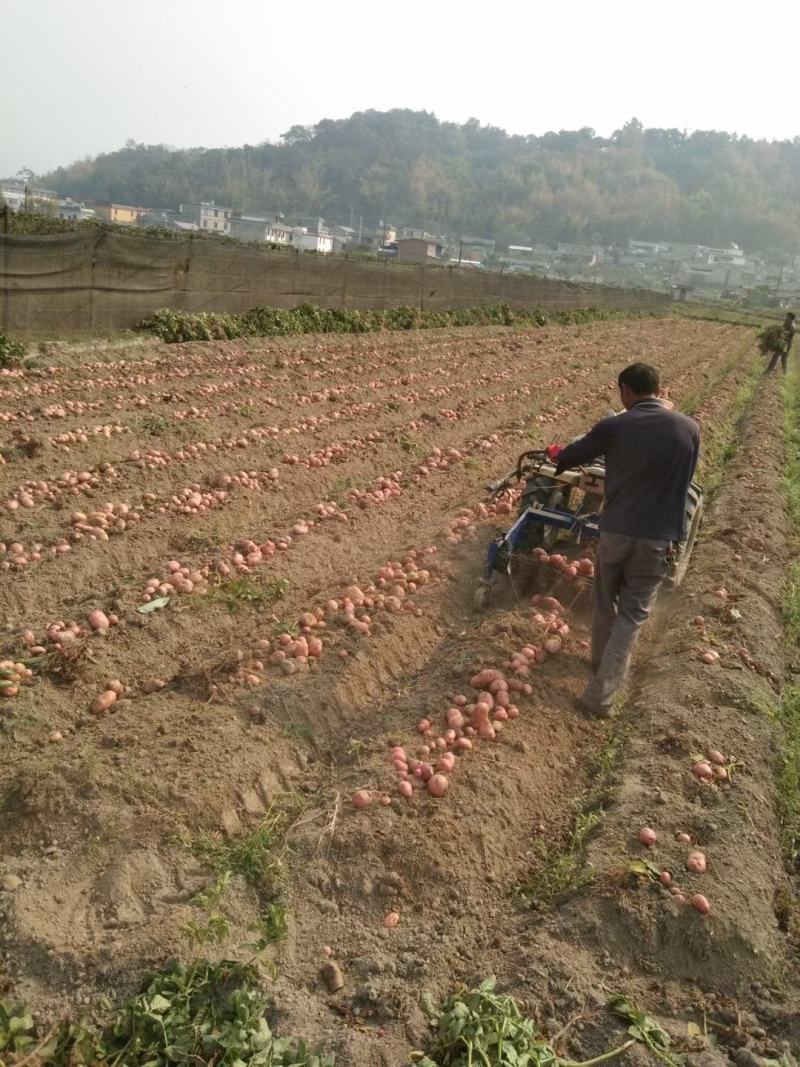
{"x":346,"y":473}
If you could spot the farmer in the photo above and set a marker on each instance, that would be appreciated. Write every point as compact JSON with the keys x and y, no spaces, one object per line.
{"x":650,"y":456}
{"x":781,"y":350}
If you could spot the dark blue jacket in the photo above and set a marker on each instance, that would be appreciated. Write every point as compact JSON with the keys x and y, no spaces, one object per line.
{"x":650,"y":458}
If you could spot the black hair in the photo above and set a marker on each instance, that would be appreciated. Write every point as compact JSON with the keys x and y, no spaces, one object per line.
{"x":789,"y":314}
{"x":640,"y":378}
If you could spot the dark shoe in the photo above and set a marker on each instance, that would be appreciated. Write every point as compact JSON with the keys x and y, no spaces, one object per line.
{"x":595,"y":711}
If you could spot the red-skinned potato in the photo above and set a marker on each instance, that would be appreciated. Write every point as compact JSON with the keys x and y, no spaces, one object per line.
{"x":701,"y":904}
{"x":103,"y":702}
{"x":696,"y":863}
{"x":438,"y":785}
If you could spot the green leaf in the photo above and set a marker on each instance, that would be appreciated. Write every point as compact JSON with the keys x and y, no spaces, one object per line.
{"x":153,"y":605}
{"x":644,"y":869}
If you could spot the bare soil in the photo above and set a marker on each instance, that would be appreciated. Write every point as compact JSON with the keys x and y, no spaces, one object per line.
{"x":92,"y":824}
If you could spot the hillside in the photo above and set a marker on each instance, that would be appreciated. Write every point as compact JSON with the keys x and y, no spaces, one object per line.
{"x":408,"y":167}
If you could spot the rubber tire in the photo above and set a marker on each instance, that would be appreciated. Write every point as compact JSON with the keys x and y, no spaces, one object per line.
{"x":683,"y":565}
{"x":480,"y":600}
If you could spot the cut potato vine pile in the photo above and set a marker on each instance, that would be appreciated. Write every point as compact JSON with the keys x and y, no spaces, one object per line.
{"x":201,"y":1013}
{"x":483,"y":1028}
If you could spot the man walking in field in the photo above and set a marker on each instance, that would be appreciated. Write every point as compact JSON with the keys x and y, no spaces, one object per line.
{"x":784,"y":336}
{"x":650,"y":457}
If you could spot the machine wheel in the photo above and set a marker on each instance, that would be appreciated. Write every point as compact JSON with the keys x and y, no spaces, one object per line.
{"x":480,"y":600}
{"x":675,"y":579}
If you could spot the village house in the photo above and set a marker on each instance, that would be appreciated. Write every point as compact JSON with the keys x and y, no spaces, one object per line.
{"x":589,"y":254}
{"x":312,"y":223}
{"x":475,"y":249}
{"x":270,"y":228}
{"x":20,"y":196}
{"x":311,"y":241}
{"x":419,"y":249}
{"x":208,"y":217}
{"x":161,"y":218}
{"x":119,"y":214}
{"x":278,"y":233}
{"x":74,"y":210}
{"x":377,"y":239}
{"x":248,"y":227}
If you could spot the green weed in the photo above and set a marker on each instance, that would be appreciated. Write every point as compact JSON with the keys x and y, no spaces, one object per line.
{"x":156,"y":425}
{"x":720,"y":441}
{"x":787,"y":711}
{"x":11,"y":352}
{"x":196,"y":542}
{"x":339,"y":489}
{"x":215,"y":927}
{"x":237,"y":593}
{"x":257,"y":857}
{"x":562,"y":869}
{"x":16,"y":1030}
{"x":601,"y":770}
{"x":273,"y":926}
{"x":297,"y":730}
{"x":356,"y":749}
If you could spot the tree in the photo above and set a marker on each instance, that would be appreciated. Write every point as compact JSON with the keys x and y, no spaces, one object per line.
{"x":298,"y":135}
{"x":706,"y":187}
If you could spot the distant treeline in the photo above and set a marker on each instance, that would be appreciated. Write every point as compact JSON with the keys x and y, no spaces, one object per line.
{"x":409,"y":168}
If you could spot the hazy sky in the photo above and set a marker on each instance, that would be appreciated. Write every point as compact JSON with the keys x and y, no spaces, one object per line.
{"x":78,"y":77}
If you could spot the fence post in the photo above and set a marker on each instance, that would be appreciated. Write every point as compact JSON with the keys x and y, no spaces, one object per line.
{"x":187,"y":273}
{"x":4,"y":321}
{"x":96,"y":244}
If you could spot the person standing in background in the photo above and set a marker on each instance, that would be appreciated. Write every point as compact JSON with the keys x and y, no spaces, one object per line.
{"x":782,"y":349}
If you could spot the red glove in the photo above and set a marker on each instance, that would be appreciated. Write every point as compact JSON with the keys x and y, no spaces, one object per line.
{"x":553,"y":452}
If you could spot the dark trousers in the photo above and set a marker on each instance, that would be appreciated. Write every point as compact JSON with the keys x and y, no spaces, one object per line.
{"x":773,"y":363}
{"x":628,"y":575}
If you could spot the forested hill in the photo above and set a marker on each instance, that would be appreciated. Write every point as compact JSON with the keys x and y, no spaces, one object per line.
{"x":409,"y":168}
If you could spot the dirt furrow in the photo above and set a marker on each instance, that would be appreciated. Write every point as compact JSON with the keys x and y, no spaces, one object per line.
{"x":91,"y":823}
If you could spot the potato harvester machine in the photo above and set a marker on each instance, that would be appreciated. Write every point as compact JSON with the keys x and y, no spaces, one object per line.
{"x":563,"y":510}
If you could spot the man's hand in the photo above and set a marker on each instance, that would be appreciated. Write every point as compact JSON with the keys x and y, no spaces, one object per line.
{"x":554,"y":451}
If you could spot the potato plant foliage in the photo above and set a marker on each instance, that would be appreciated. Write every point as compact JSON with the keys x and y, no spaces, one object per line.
{"x":198,"y":1013}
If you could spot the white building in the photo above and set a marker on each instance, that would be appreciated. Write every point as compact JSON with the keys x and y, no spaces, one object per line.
{"x":209,"y":217}
{"x":19,"y":196}
{"x":311,"y":241}
{"x":278,"y":233}
{"x":72,"y":209}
